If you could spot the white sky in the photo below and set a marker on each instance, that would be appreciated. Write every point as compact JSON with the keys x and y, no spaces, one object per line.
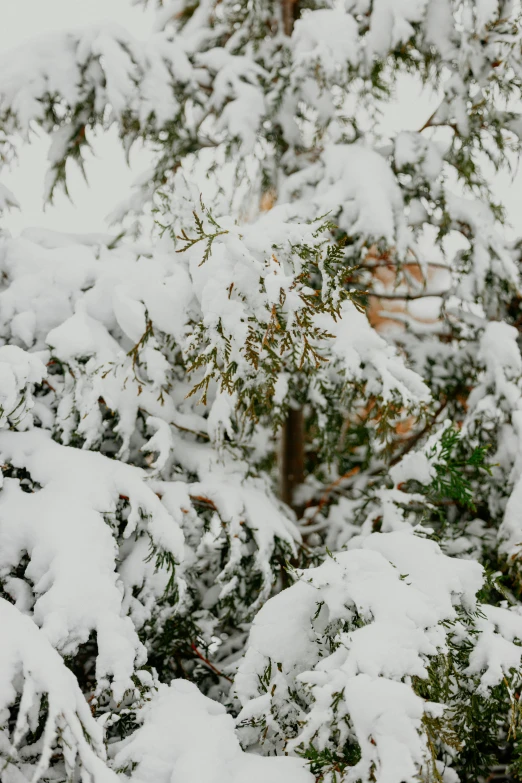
{"x":108,"y":175}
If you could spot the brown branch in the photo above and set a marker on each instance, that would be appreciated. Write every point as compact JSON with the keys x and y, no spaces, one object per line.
{"x":408,"y":297}
{"x":415,"y":438}
{"x":192,"y":432}
{"x":203,"y":501}
{"x":428,"y":122}
{"x":329,"y":488}
{"x":404,"y":264}
{"x":209,"y":664}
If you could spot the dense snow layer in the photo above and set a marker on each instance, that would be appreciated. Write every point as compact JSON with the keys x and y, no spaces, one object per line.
{"x":65,"y":516}
{"x":137,"y":511}
{"x":27,"y":657}
{"x":389,"y":604}
{"x":185,"y":736}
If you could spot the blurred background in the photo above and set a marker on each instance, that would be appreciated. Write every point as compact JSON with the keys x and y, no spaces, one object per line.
{"x":108,"y":175}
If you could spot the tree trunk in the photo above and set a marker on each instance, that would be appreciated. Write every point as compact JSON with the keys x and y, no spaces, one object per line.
{"x":290,"y":13}
{"x":292,"y":457}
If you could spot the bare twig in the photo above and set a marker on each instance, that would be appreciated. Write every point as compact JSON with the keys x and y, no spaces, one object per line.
{"x":209,"y":664}
{"x":415,"y":438}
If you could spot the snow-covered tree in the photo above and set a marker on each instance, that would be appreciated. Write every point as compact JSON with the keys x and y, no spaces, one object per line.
{"x":260,"y":512}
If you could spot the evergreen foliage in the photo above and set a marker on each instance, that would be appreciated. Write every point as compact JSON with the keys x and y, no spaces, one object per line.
{"x":165,"y":615}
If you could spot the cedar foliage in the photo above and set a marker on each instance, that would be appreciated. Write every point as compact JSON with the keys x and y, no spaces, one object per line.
{"x":166,"y":594}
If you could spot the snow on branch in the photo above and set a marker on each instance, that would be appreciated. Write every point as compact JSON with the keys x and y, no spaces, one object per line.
{"x":334,"y":665}
{"x":45,"y":701}
{"x":60,"y":513}
{"x":177,"y":724}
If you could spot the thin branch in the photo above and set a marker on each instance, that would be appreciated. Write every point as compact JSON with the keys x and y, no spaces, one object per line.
{"x":428,"y":122}
{"x":408,"y":297}
{"x":404,"y":264}
{"x":209,"y":664}
{"x":192,"y":432}
{"x":415,"y":325}
{"x":203,"y":501}
{"x":329,"y":488}
{"x":415,"y":438}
